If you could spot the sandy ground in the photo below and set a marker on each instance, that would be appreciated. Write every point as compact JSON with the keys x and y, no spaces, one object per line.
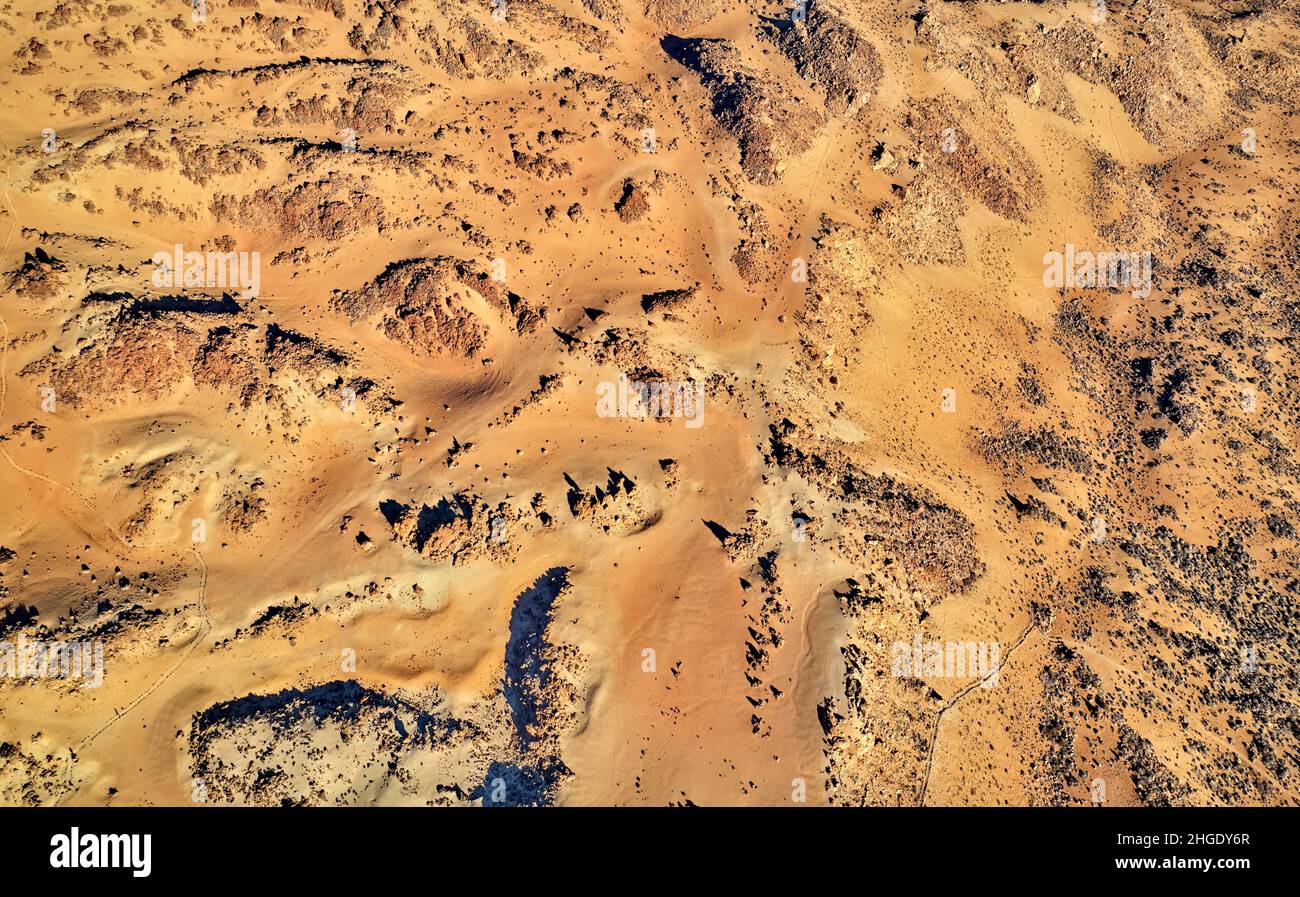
{"x":363,"y":532}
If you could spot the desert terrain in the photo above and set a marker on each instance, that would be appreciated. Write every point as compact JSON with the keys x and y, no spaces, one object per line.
{"x":650,"y":402}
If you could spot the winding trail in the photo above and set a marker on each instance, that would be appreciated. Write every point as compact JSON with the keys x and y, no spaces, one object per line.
{"x":204,"y":629}
{"x":951,"y":702}
{"x":127,"y":547}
